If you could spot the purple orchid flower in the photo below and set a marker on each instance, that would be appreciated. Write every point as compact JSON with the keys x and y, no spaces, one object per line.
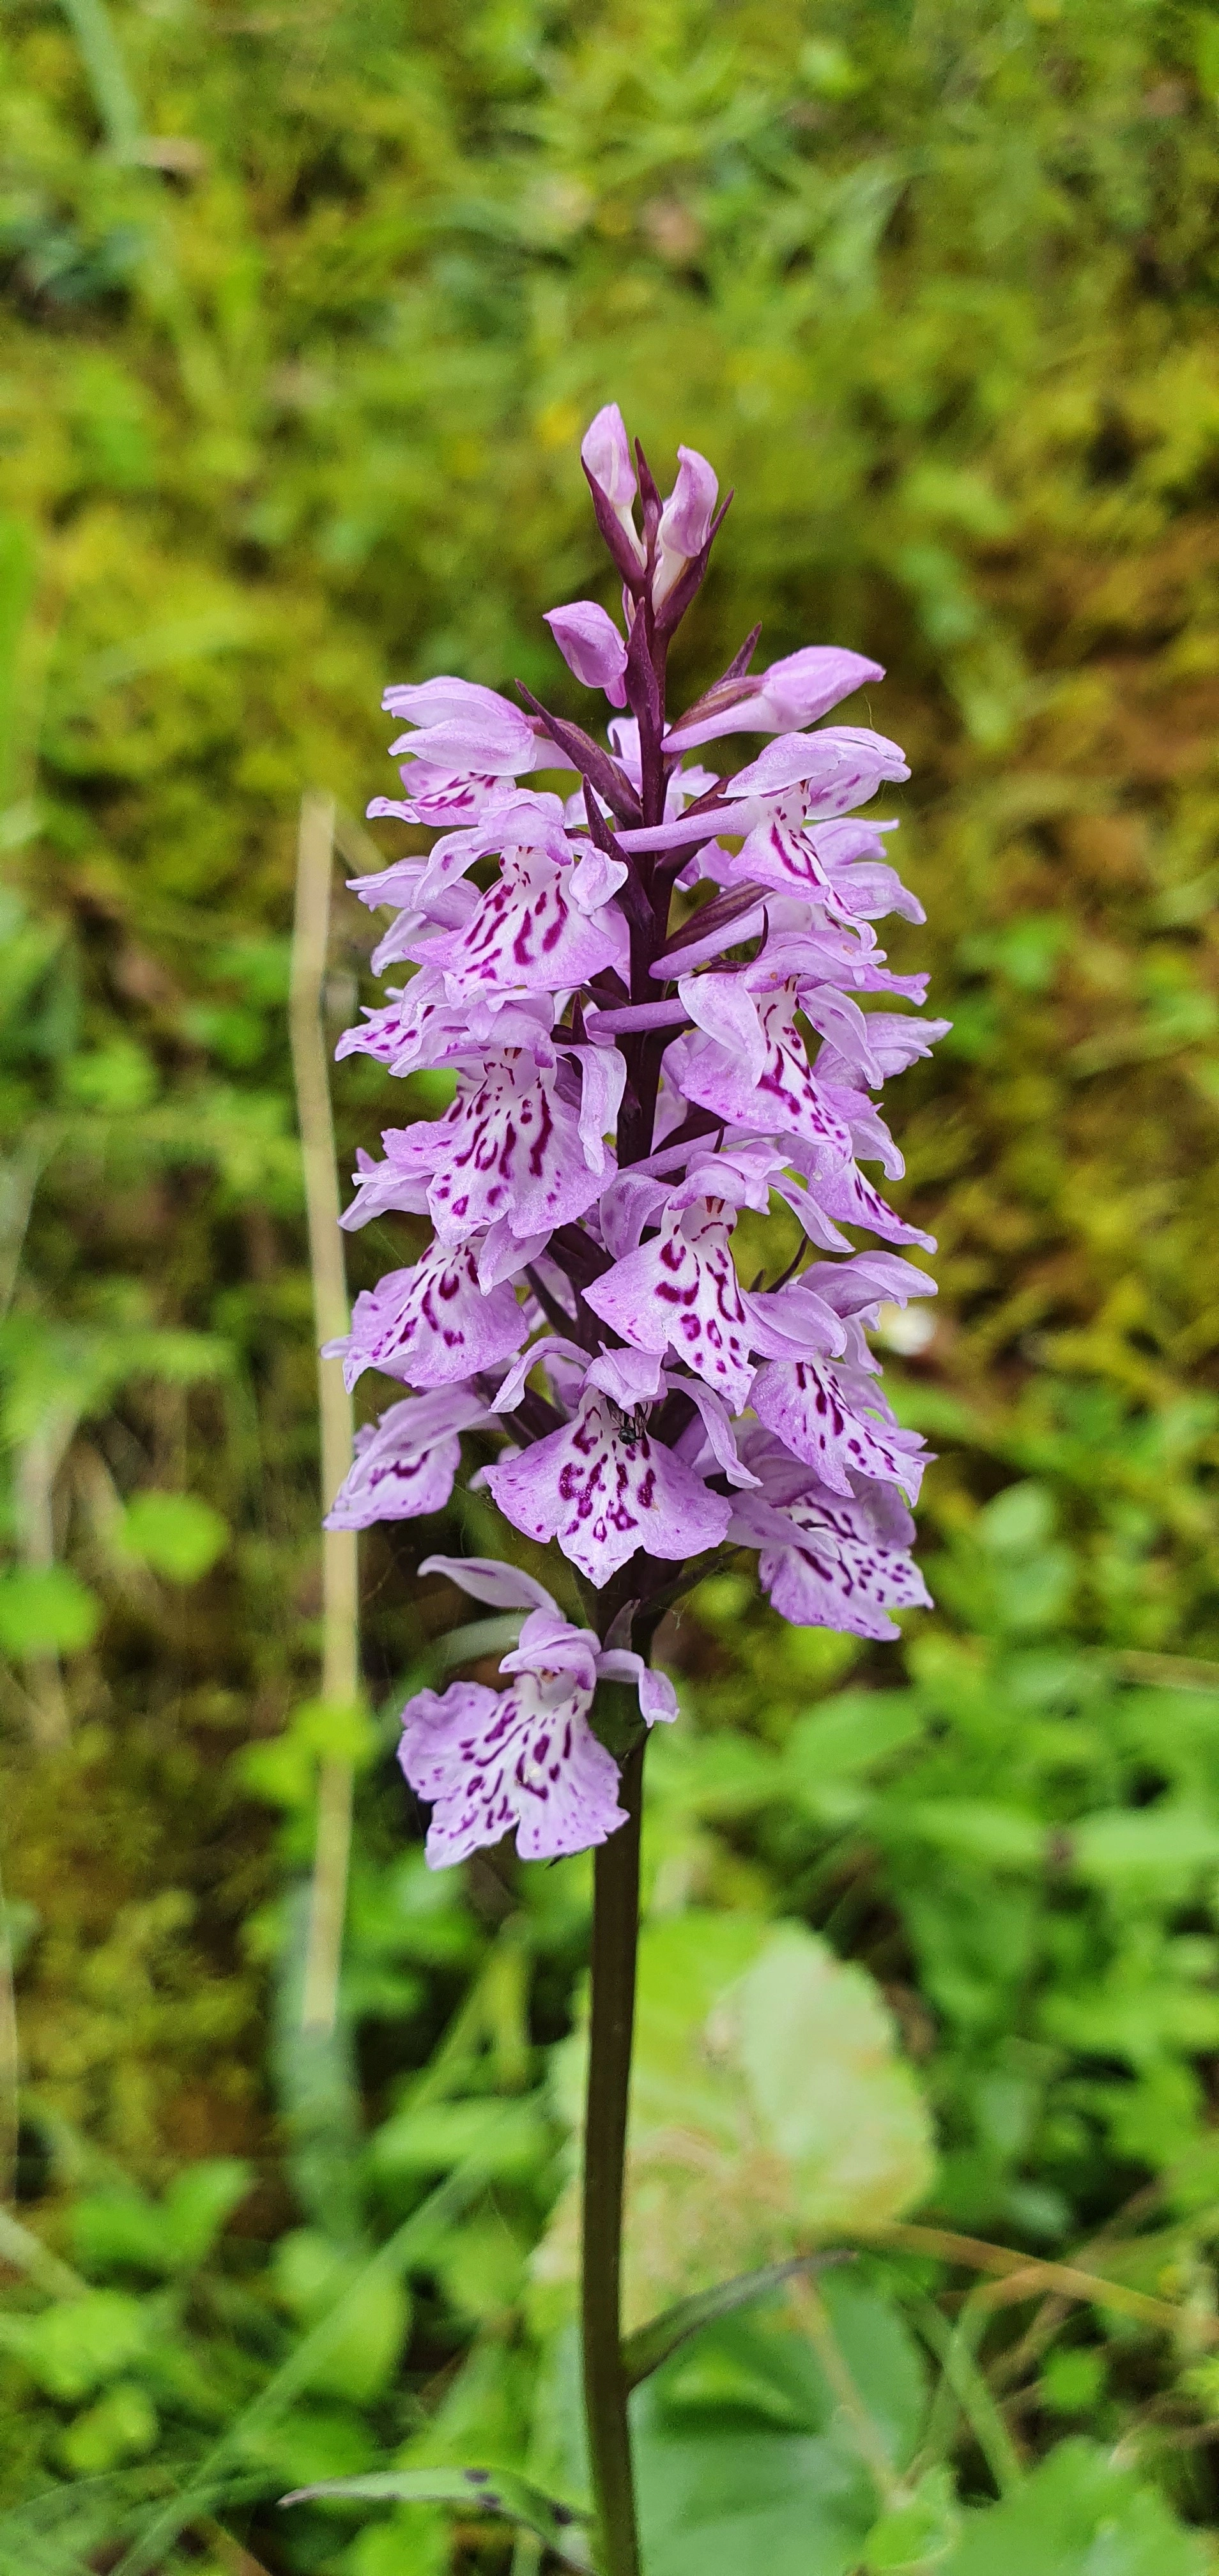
{"x":432,"y":1325}
{"x":406,"y":1463}
{"x":524,"y":1759}
{"x":604,"y":1487}
{"x":627,"y":1005}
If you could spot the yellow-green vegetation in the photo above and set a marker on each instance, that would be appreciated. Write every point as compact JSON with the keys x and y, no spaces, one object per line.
{"x":304,"y":308}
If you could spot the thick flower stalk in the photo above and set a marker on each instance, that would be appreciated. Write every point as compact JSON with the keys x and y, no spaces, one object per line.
{"x":663,"y":1000}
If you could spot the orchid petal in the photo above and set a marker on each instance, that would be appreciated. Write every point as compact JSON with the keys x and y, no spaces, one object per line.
{"x":487,"y":1578}
{"x":604,"y":1489}
{"x":721,"y":1006}
{"x":433,"y":1324}
{"x":594,"y":879}
{"x":838,"y":1424}
{"x":657,"y":1697}
{"x":591,"y":646}
{"x":602,"y":1083}
{"x":405,"y":1464}
{"x":525,"y":1759}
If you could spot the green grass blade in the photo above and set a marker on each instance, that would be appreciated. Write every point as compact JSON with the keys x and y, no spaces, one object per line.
{"x":497,"y":2491}
{"x":644,"y":2351}
{"x":212,"y":2474}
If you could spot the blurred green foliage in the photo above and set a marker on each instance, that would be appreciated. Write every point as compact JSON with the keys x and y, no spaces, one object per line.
{"x":303,"y":309}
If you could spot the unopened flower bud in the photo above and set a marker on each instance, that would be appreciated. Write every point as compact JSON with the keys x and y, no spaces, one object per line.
{"x":606,"y":455}
{"x":591,"y":646}
{"x":685,"y":519}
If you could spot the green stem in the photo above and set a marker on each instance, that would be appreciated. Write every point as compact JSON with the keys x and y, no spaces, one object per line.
{"x":615,"y":1940}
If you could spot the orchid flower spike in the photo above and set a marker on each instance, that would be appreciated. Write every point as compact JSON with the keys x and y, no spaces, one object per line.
{"x":631,"y":1070}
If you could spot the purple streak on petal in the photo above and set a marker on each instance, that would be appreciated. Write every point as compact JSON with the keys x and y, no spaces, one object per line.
{"x":680,"y":1292}
{"x":405,"y":1463}
{"x":508,"y":1147}
{"x":432,"y":1325}
{"x":829,"y":1560}
{"x":838,"y":1422}
{"x":604,"y":1493}
{"x":783,"y":1098}
{"x":526,"y":935}
{"x":439,"y":797}
{"x":846,"y":1194}
{"x":526,"y":1758}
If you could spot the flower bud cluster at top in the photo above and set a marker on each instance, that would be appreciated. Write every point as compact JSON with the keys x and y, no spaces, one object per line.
{"x":624,"y":1088}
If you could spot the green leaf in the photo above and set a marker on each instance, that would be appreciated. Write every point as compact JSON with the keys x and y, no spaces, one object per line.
{"x":113,"y":2230}
{"x":80,"y":2344}
{"x":121,"y":2426}
{"x":46,"y":1610}
{"x":103,"y":60}
{"x":1079,"y":2515}
{"x":498,"y":2491}
{"x":744,"y":2457}
{"x":917,"y":2534}
{"x":18,"y":567}
{"x":508,"y":2139}
{"x":311,"y":2276}
{"x":116,"y":1080}
{"x":1165,"y":1846}
{"x":972,"y":1829}
{"x":768,"y":2109}
{"x":178,"y":1535}
{"x":306,"y":2438}
{"x":849,"y":1734}
{"x":644,"y":2351}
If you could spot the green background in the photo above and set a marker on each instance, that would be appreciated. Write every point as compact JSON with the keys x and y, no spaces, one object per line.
{"x":304,"y":309}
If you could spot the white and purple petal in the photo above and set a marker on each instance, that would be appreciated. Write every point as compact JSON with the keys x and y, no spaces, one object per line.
{"x":406,"y":1463}
{"x":521,"y":1758}
{"x":680,"y":1292}
{"x":604,"y":1488}
{"x":783,"y":1098}
{"x":837,"y":1421}
{"x":432,"y":1324}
